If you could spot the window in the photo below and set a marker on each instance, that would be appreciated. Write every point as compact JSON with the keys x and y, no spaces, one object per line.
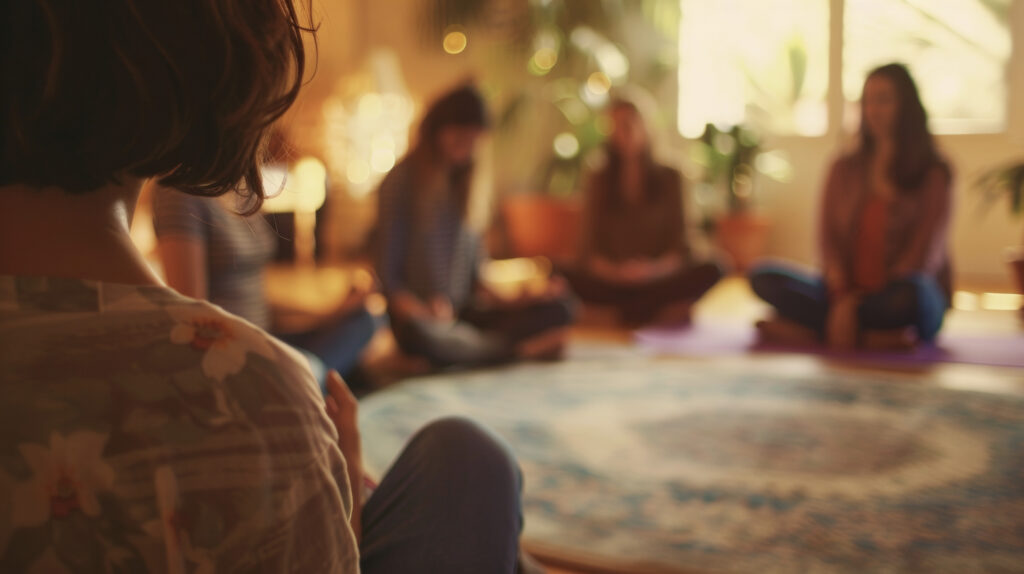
{"x":760,"y":63}
{"x":764,"y":63}
{"x":957,"y":50}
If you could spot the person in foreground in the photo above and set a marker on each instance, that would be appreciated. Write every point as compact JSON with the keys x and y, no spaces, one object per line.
{"x":636,"y":256}
{"x":429,"y":259}
{"x":144,"y":431}
{"x":884,"y":230}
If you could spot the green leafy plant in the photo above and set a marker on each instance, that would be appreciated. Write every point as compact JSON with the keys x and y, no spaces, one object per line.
{"x":1003,"y":183}
{"x":547,"y":68}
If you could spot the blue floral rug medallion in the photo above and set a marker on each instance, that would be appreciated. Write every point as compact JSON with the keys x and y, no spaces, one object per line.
{"x":699,"y":468}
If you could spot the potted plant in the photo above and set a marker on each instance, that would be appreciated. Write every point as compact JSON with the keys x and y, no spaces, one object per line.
{"x":547,"y":68}
{"x":1006,"y":183}
{"x":728,"y":157}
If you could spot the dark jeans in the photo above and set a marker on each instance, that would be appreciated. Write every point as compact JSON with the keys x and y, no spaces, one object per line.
{"x":640,"y":304}
{"x":481,"y":335}
{"x":915,"y":301}
{"x":336,"y":345}
{"x":450,"y":504}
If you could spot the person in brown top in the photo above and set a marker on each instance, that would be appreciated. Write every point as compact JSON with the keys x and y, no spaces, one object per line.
{"x":884,"y":231}
{"x":636,"y":257}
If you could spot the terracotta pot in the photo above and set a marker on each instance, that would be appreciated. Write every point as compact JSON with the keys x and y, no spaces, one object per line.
{"x":744,"y":237}
{"x":1015,"y":257}
{"x":542,"y":226}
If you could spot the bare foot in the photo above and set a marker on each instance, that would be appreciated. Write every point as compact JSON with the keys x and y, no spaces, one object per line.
{"x":549,"y":346}
{"x":890,"y":339}
{"x":784,"y":332}
{"x":675,"y":315}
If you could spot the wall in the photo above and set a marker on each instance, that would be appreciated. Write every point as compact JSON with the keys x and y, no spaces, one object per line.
{"x":351,"y":29}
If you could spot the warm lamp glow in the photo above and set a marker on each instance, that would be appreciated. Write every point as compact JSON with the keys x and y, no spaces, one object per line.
{"x":566,"y":145}
{"x":302,"y":190}
{"x":304,"y":187}
{"x":455,"y":41}
{"x":511,"y":278}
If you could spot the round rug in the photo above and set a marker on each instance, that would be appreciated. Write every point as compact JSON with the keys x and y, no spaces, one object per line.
{"x":692,"y":467}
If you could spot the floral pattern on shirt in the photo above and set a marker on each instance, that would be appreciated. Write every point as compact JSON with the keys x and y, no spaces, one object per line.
{"x":141,"y":431}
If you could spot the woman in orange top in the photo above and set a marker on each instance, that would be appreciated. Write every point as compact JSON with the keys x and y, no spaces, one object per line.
{"x":884,"y":230}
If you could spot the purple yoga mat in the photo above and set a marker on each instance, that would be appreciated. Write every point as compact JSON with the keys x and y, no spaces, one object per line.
{"x":718,"y":339}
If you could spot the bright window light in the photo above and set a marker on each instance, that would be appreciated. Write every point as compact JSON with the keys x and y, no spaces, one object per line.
{"x":762,"y":64}
{"x":957,"y":50}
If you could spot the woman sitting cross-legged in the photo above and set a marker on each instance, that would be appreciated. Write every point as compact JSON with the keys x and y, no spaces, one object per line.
{"x":429,"y":260}
{"x":884,"y":227}
{"x":146,"y":431}
{"x":636,"y":255}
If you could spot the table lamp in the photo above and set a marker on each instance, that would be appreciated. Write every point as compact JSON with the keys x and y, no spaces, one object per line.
{"x":299,"y":190}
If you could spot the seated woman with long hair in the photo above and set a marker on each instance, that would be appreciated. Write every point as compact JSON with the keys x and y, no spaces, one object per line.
{"x":884,"y":230}
{"x":144,"y":431}
{"x":636,"y":255}
{"x":429,"y":260}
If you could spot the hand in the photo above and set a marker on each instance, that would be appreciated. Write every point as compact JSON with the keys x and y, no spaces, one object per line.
{"x":842,"y":328}
{"x":541,"y":290}
{"x":441,"y":309}
{"x":405,"y":305}
{"x":343,"y":410}
{"x":354,"y":299}
{"x":636,"y":271}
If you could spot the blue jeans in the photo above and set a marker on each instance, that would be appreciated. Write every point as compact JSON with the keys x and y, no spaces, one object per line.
{"x":450,"y":503}
{"x":337,"y":345}
{"x":916,"y":301}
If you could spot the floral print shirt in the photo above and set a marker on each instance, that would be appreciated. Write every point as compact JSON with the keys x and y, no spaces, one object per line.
{"x":141,"y":431}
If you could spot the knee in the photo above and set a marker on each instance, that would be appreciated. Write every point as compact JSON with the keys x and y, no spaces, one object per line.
{"x":464,"y":448}
{"x":762,"y":280}
{"x":712,"y":272}
{"x":564,"y":310}
{"x":364,"y":322}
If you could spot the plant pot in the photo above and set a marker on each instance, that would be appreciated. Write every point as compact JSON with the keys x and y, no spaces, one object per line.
{"x":1015,"y":257}
{"x":536,"y":225}
{"x":744,"y":237}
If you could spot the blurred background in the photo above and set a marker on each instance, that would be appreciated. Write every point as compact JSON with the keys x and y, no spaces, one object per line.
{"x":751,"y":99}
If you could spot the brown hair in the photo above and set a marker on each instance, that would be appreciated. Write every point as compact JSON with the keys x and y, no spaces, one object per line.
{"x":185,"y":90}
{"x":916,"y":152}
{"x":464,"y":107}
{"x":613,"y":167}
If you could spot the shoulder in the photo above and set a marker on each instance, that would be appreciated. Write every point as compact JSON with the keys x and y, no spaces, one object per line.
{"x":398,"y":179}
{"x":176,"y":212}
{"x":169,"y":201}
{"x":941,"y":171}
{"x":847,"y":162}
{"x":668,"y":175}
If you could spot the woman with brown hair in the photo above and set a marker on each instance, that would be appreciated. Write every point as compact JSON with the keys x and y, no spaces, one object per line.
{"x":144,"y":431}
{"x":884,"y":232}
{"x":429,"y":259}
{"x":636,"y":256}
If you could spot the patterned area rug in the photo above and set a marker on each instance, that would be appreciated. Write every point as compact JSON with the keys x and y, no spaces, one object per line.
{"x":700,"y":468}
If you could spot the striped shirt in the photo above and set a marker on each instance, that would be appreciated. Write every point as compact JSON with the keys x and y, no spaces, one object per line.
{"x":429,"y":254}
{"x":237,"y":248}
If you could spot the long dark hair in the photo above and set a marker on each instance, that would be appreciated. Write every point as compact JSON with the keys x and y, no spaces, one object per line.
{"x":916,"y":152}
{"x":612,"y":175}
{"x":461,"y":107}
